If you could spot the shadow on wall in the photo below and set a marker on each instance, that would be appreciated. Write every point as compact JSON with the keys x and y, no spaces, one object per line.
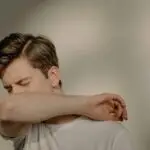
{"x":11,"y":12}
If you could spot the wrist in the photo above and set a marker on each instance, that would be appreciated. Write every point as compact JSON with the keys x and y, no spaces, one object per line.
{"x":88,"y":105}
{"x":84,"y":105}
{"x":76,"y":105}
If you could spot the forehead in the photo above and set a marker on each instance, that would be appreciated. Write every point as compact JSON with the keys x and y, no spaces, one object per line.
{"x":19,"y":68}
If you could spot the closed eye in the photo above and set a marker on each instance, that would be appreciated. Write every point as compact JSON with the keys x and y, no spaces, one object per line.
{"x":23,"y":82}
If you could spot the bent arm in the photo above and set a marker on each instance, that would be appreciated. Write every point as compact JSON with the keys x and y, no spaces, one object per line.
{"x":37,"y":107}
{"x":18,"y":111}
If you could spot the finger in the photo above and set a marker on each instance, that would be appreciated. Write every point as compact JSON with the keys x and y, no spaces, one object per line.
{"x":119,"y":99}
{"x":109,"y":107}
{"x":107,"y":101}
{"x":122,"y":111}
{"x":110,"y":113}
{"x":117,"y":111}
{"x":105,"y":112}
{"x":116,"y":108}
{"x":114,"y":117}
{"x":115,"y":97}
{"x":125,"y":114}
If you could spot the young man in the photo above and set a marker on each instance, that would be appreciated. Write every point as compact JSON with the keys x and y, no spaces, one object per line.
{"x":38,"y":115}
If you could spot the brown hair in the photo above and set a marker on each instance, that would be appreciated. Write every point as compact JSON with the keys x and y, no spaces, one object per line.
{"x":40,"y":51}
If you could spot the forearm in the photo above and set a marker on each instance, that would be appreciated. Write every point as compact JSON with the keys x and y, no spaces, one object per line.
{"x":37,"y":107}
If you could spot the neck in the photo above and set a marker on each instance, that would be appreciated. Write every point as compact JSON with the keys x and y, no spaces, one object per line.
{"x":61,"y":119}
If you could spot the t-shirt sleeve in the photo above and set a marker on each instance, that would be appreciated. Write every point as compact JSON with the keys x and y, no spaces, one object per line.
{"x":123,"y":141}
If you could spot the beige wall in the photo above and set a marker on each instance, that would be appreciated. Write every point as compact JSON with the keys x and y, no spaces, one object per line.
{"x":102,"y":45}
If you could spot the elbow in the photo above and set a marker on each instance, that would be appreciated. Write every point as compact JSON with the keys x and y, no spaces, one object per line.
{"x":6,"y":110}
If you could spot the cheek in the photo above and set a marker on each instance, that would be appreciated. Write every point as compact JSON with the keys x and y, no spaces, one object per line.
{"x":41,"y":86}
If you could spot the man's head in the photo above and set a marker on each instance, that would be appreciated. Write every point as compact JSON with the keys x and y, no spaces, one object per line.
{"x":28,"y":63}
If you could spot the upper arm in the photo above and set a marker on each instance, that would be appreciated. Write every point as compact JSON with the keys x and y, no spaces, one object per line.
{"x":122,"y":141}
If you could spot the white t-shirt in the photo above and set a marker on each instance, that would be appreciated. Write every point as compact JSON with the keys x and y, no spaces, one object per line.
{"x":83,"y":134}
{"x":80,"y":134}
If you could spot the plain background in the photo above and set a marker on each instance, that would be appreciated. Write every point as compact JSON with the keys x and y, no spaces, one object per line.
{"x":103,"y":46}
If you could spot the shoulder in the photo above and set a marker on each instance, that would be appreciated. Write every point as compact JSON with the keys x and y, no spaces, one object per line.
{"x":102,"y":128}
{"x":112,"y":133}
{"x":111,"y":126}
{"x":114,"y":126}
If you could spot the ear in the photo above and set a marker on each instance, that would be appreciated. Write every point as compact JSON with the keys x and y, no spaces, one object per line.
{"x":54,"y":76}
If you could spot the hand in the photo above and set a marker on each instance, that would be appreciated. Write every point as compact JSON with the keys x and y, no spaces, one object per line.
{"x":107,"y":106}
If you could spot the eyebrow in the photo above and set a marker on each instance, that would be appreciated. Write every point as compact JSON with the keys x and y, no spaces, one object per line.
{"x":17,"y":82}
{"x":23,"y":79}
